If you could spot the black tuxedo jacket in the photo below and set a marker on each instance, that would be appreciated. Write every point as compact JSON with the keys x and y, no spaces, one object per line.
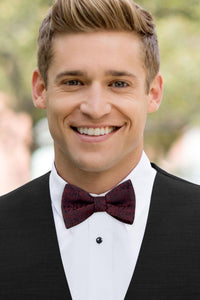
{"x":168,"y":266}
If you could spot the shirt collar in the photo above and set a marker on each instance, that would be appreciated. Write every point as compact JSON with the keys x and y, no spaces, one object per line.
{"x":142,"y":178}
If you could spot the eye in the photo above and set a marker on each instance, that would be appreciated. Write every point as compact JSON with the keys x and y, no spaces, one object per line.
{"x":73,"y":82}
{"x":119,"y":84}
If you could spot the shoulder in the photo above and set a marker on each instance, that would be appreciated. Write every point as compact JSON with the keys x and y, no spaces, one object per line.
{"x":174,"y":185}
{"x":31,"y":190}
{"x":25,"y":206}
{"x":175,"y":206}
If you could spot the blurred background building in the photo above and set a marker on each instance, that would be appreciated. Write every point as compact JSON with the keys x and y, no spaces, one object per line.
{"x":172,"y":137}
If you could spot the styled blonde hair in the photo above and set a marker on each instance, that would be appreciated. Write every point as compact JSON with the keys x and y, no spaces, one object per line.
{"x":72,"y":16}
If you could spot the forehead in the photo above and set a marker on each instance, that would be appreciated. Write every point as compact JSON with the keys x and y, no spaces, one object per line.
{"x":97,"y":50}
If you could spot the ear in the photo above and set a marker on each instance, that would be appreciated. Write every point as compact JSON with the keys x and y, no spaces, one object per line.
{"x":155,"y":93}
{"x":38,"y":90}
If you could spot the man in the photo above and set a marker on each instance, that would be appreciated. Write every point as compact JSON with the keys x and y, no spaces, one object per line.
{"x":98,"y":77}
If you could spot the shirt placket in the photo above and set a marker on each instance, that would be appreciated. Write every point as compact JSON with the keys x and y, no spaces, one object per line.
{"x":100,"y":257}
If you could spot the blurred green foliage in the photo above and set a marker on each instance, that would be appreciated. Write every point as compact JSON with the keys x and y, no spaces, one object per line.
{"x":179,"y":38}
{"x":19,"y":23}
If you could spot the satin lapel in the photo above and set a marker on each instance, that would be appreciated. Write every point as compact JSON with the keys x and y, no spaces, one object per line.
{"x":46,"y":239}
{"x":143,"y":281}
{"x":168,"y":264}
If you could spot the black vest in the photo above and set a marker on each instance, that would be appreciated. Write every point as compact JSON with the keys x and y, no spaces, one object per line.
{"x":168,"y":266}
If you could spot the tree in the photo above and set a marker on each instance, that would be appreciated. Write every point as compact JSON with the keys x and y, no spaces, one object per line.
{"x":19,"y":23}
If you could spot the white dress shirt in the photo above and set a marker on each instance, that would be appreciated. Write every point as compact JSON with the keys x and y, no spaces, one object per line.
{"x":102,"y":271}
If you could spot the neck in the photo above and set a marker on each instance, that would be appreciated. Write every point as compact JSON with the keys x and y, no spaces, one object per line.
{"x":97,"y":182}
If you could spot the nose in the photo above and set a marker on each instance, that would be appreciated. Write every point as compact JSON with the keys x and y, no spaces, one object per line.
{"x":95,"y":103}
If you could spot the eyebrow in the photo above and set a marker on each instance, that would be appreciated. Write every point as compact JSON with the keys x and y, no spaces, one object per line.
{"x":114,"y":73}
{"x":70,"y":73}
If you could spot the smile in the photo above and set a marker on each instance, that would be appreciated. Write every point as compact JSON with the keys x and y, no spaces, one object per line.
{"x":95,"y":131}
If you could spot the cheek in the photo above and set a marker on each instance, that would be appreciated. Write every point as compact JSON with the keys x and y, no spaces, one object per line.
{"x":55,"y":119}
{"x":58,"y":109}
{"x":135,"y":112}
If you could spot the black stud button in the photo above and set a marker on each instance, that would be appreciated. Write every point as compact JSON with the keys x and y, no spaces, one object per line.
{"x":99,"y":240}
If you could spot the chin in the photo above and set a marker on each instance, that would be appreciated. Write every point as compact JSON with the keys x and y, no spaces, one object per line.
{"x":90,"y":168}
{"x":93,"y":166}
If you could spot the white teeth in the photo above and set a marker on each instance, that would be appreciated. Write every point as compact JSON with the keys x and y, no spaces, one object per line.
{"x":90,"y":131}
{"x":95,"y":131}
{"x":102,"y":131}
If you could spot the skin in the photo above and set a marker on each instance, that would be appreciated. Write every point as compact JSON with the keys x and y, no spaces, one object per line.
{"x":96,"y":80}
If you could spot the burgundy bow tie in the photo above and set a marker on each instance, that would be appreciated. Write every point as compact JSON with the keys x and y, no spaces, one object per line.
{"x":78,"y":205}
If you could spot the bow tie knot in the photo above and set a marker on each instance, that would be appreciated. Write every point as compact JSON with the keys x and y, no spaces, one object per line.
{"x":99,"y":204}
{"x":78,"y":205}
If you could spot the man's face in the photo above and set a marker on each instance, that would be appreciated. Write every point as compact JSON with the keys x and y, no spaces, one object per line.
{"x":96,"y":100}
